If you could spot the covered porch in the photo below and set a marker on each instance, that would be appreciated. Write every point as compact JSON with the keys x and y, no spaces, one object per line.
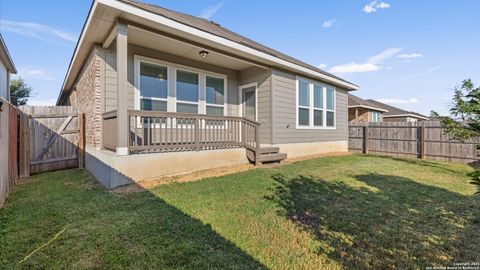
{"x":169,"y":94}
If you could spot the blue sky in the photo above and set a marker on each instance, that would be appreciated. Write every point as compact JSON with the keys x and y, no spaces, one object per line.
{"x":407,"y":53}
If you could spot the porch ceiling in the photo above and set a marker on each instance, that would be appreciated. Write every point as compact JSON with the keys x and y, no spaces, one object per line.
{"x":147,"y":39}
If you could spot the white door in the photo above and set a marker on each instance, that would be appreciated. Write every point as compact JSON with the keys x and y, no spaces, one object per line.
{"x":249,"y":103}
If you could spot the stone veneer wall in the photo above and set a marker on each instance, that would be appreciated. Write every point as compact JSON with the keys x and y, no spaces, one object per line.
{"x":87,"y":98}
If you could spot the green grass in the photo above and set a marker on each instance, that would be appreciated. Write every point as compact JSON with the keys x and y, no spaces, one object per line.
{"x":345,"y":212}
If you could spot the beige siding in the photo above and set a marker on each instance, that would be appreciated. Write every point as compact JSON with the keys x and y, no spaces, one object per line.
{"x":4,"y":81}
{"x":264,"y":103}
{"x":284,"y":113}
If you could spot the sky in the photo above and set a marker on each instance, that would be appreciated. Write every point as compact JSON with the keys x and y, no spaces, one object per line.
{"x":410,"y":54}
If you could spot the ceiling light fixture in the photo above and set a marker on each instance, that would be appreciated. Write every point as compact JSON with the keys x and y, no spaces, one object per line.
{"x":203,"y":54}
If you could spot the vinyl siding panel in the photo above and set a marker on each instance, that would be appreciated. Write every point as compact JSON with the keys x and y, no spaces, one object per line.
{"x":284,"y":113}
{"x":264,"y":102}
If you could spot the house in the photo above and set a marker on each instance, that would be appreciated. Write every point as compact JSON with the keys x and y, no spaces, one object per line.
{"x":167,"y":93}
{"x":6,"y":68}
{"x":6,"y":172}
{"x":360,"y":110}
{"x":395,"y":114}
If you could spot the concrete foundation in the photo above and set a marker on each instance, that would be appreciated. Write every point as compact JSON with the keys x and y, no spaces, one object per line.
{"x":294,"y":150}
{"x":113,"y":171}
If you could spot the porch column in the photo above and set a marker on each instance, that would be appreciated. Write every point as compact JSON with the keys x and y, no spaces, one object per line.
{"x":122,"y":116}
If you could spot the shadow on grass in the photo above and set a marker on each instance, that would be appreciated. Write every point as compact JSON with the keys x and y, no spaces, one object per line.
{"x":107,"y":230}
{"x":394,"y":223}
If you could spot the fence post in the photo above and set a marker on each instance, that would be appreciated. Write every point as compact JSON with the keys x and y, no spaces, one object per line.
{"x":365,"y":139}
{"x":24,"y":144}
{"x":81,"y":140}
{"x":421,"y":140}
{"x":197,"y":133}
{"x":257,"y":145}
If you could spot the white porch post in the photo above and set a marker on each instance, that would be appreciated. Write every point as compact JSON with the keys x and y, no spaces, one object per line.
{"x":122,"y":116}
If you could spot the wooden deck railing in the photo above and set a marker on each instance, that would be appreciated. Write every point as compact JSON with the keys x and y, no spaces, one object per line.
{"x":109,"y":130}
{"x":151,"y":131}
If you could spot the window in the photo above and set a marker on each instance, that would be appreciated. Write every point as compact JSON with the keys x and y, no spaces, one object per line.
{"x":163,"y":86}
{"x":215,"y":95}
{"x":153,"y":87}
{"x":303,"y":103}
{"x":330,"y":107}
{"x":375,"y":117}
{"x":315,"y":105}
{"x":187,"y":92}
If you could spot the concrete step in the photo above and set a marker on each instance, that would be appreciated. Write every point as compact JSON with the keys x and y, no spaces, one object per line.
{"x":269,"y":150}
{"x":272,"y":157}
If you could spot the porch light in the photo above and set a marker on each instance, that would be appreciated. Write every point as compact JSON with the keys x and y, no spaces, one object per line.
{"x":203,"y":54}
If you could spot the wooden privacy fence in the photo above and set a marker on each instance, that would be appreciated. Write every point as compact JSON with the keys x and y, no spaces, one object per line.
{"x":8,"y":149}
{"x":421,"y":139}
{"x":50,"y":138}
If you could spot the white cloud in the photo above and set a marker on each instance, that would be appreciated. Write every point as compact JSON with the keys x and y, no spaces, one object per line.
{"x":322,"y":66}
{"x":372,"y":64}
{"x":374,"y":6}
{"x":410,"y":55}
{"x":329,"y":23}
{"x":40,"y":102}
{"x":210,"y":11}
{"x":38,"y":31}
{"x":35,"y":73}
{"x":434,"y":69}
{"x":398,"y":101}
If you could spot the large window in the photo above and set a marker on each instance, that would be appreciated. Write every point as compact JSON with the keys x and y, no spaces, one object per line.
{"x":215,"y":92}
{"x":187,"y":92}
{"x":163,"y":86}
{"x":153,"y":87}
{"x":315,"y":105}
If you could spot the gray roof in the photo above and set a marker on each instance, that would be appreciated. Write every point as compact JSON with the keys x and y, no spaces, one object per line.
{"x":394,"y":110}
{"x":215,"y":29}
{"x":354,"y":101}
{"x":5,"y":57}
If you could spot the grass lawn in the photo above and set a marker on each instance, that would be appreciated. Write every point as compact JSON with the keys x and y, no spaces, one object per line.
{"x":345,"y":212}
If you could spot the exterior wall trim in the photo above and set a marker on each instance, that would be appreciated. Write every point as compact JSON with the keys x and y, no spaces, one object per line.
{"x":240,"y":98}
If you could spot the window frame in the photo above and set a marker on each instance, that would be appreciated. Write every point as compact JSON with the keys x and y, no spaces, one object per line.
{"x":140,"y":97}
{"x":224,"y":95}
{"x":172,"y":85}
{"x":312,"y":107}
{"x":373,"y":113}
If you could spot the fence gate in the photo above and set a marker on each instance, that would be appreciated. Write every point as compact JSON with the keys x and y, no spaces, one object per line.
{"x":50,"y":138}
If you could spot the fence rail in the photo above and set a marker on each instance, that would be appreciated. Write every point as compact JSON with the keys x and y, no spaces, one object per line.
{"x":422,"y":140}
{"x":150,"y":131}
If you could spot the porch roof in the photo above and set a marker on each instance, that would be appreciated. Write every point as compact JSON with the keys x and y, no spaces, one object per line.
{"x":104,"y":14}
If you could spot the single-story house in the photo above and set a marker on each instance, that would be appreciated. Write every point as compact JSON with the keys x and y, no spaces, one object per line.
{"x":167,"y":93}
{"x":6,"y":68}
{"x":395,"y":114}
{"x":361,"y":110}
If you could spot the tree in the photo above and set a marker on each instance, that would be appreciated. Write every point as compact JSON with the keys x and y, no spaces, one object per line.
{"x":19,"y":91}
{"x":434,"y":114}
{"x":464,"y":120}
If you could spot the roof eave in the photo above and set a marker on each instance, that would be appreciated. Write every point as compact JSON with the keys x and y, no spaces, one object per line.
{"x":6,"y":58}
{"x":125,"y":7}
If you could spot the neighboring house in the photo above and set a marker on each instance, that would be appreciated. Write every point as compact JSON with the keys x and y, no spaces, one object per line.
{"x":360,"y":110}
{"x":6,"y":68}
{"x":171,"y":93}
{"x":395,"y":114}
